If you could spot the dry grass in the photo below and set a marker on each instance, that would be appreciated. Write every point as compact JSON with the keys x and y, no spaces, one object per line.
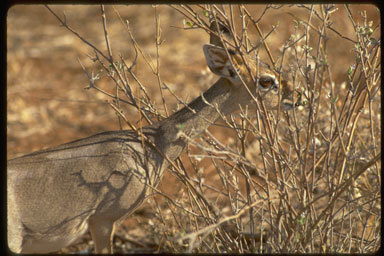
{"x":306,"y":181}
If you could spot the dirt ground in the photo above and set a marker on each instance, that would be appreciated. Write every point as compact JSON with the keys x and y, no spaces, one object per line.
{"x":47,"y":100}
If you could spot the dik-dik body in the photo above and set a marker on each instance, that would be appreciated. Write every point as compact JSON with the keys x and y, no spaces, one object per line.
{"x":56,"y":195}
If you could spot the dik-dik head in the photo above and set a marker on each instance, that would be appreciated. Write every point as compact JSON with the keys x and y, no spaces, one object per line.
{"x":256,"y":76}
{"x":231,"y":66}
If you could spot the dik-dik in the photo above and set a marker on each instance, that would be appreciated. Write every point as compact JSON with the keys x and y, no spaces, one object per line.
{"x":56,"y":195}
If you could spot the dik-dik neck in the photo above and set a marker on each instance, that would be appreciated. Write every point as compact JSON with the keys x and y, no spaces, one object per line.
{"x":197,"y":116}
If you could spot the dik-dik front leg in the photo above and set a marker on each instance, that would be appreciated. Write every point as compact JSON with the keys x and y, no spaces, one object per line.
{"x":102,"y":231}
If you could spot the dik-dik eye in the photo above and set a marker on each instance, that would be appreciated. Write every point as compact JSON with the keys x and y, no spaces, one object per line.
{"x":267,"y":82}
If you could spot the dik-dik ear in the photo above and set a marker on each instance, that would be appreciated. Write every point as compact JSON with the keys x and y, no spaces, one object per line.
{"x":214,"y":38}
{"x":218,"y":62}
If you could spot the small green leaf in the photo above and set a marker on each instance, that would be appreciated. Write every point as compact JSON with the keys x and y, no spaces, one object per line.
{"x":205,"y":13}
{"x":117,"y":64}
{"x":301,"y":220}
{"x":333,"y":101}
{"x":360,"y":30}
{"x":324,"y":62}
{"x":187,"y":23}
{"x":350,"y":70}
{"x":373,"y":41}
{"x":297,"y":23}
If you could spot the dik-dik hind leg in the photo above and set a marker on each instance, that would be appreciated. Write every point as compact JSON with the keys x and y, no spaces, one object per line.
{"x":102,"y":234}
